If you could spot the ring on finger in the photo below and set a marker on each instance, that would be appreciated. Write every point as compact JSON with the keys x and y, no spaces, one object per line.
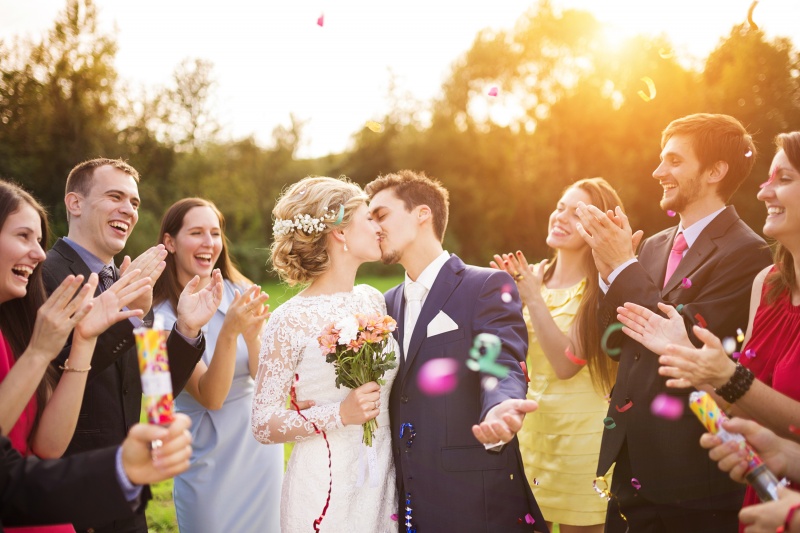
{"x":518,"y":276}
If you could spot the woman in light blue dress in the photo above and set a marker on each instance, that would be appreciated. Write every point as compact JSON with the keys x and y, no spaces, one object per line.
{"x":234,"y":482}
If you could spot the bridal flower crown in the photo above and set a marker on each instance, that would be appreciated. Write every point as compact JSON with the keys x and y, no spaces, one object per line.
{"x":308,"y":224}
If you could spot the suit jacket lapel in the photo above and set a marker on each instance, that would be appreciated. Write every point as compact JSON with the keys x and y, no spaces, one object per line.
{"x":73,"y":261}
{"x":446,"y":282}
{"x":704,"y":246}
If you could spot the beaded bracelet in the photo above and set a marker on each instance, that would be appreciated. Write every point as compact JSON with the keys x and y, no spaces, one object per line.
{"x":740,"y":383}
{"x":787,"y":524}
{"x":66,"y":368}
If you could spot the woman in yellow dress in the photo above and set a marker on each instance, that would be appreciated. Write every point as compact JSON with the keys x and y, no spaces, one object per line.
{"x":570,"y":375}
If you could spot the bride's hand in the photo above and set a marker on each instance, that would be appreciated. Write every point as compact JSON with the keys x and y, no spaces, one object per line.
{"x":361,"y":405}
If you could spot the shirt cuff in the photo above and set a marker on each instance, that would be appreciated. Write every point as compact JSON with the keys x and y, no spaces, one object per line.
{"x":195,"y":342}
{"x":614,"y":273}
{"x":130,"y":490}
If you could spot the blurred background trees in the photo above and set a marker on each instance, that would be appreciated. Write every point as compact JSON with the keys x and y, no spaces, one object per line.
{"x":567,"y":107}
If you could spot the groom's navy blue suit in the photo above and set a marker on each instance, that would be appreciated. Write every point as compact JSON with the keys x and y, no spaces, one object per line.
{"x":454,"y":483}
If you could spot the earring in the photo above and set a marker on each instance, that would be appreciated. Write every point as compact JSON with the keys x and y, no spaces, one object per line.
{"x":345,"y":247}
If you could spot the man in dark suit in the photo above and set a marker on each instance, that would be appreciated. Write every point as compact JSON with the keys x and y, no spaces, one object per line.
{"x":704,"y":160}
{"x":102,"y":200}
{"x":101,"y":485}
{"x":447,"y":480}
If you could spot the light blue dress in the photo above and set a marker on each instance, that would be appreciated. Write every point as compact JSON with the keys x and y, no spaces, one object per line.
{"x":234,"y":482}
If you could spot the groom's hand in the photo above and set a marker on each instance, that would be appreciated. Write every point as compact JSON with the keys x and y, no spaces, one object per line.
{"x":503,"y":421}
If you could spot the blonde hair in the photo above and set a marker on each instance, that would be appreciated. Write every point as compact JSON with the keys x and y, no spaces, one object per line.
{"x":300,"y":256}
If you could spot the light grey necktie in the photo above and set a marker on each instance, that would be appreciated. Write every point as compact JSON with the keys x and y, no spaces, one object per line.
{"x":414,"y":292}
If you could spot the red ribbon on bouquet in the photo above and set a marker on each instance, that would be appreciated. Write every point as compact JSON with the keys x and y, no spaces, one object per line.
{"x":293,"y":396}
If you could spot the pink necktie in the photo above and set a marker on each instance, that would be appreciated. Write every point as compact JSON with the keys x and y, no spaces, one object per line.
{"x":675,"y":256}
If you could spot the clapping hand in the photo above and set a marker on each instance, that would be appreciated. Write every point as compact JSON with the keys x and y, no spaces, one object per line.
{"x":106,"y":308}
{"x":196,"y":307}
{"x":609,"y":235}
{"x":529,"y":278}
{"x":149,"y":264}
{"x":56,"y":318}
{"x":695,"y":367}
{"x":650,"y":329}
{"x":247,"y":312}
{"x":503,"y":421}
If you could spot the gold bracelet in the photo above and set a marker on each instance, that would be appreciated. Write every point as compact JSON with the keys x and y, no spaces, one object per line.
{"x":66,"y":368}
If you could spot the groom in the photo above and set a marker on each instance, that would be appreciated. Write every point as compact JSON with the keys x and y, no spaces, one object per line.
{"x":447,"y":480}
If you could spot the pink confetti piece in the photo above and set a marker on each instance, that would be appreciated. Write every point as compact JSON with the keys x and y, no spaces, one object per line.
{"x":493,"y":91}
{"x":624,"y":407}
{"x":438,"y":376}
{"x":794,"y":429}
{"x":749,"y":353}
{"x":635,"y":483}
{"x":671,"y":213}
{"x":667,"y":407}
{"x":686,"y":283}
{"x":393,"y":516}
{"x":321,"y":20}
{"x":529,"y":519}
{"x":736,"y":355}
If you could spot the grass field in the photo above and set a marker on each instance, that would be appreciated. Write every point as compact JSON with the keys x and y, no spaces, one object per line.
{"x":161,"y":510}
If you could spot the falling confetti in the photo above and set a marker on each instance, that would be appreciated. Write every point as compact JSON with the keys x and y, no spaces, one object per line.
{"x":729,"y":345}
{"x":536,"y":481}
{"x":529,"y":519}
{"x":651,"y":87}
{"x":686,"y":283}
{"x":753,"y":25}
{"x":624,"y":407}
{"x":609,"y":423}
{"x":483,"y":356}
{"x":666,"y":406}
{"x":679,"y":308}
{"x":489,"y":383}
{"x":671,"y":213}
{"x":749,"y":353}
{"x":616,"y":326}
{"x":524,"y":368}
{"x":505,"y":293}
{"x":377,"y":127}
{"x":739,"y":335}
{"x":749,"y":153}
{"x":321,"y":20}
{"x":665,"y":52}
{"x":393,"y":516}
{"x":701,"y":321}
{"x":635,"y":483}
{"x":438,"y":376}
{"x":493,"y":91}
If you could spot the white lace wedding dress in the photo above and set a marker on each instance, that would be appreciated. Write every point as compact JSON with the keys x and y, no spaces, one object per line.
{"x":363,"y":495}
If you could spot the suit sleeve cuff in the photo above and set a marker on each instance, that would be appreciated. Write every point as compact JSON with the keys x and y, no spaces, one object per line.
{"x":614,"y":273}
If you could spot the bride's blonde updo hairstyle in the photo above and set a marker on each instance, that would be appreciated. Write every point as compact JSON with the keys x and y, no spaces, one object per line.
{"x":304,"y":216}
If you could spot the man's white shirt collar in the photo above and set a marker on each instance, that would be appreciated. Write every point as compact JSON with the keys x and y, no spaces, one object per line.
{"x":428,"y":276}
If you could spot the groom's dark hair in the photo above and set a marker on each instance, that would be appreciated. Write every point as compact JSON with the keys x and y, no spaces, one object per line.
{"x":415,"y":188}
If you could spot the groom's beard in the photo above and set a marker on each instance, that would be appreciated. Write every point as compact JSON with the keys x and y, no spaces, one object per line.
{"x":390,"y":258}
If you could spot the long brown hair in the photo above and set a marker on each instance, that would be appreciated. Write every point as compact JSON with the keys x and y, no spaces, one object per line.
{"x":168,"y":287}
{"x":783,"y":278}
{"x":18,"y":316}
{"x":602,"y":368}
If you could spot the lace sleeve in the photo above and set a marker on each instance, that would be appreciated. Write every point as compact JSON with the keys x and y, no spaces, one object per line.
{"x":272,"y":422}
{"x":376,"y":299}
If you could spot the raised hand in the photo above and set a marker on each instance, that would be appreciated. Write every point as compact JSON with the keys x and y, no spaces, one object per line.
{"x":56,"y":318}
{"x":247,"y":312}
{"x":650,"y":329}
{"x":196,"y":307}
{"x":361,"y":405}
{"x":143,"y":466}
{"x":503,"y":421}
{"x":695,"y":367}
{"x":150,"y":264}
{"x":529,"y":278}
{"x":610,"y":236}
{"x":107,"y":308}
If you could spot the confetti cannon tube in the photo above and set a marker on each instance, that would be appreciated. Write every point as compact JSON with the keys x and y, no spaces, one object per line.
{"x":151,"y":345}
{"x":758,"y":475}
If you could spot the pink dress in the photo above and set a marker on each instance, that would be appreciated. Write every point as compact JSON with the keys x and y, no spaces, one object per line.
{"x":776,"y":345}
{"x":22,"y":429}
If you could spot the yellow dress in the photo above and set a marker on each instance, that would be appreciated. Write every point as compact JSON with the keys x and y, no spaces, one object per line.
{"x":560,"y":441}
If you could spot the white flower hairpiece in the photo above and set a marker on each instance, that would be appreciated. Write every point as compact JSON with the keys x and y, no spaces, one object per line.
{"x":308,"y":224}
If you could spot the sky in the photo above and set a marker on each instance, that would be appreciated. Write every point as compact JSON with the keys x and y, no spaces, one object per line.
{"x":271,"y":58}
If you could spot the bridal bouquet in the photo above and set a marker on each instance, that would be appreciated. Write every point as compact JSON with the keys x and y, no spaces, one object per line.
{"x":355,"y":345}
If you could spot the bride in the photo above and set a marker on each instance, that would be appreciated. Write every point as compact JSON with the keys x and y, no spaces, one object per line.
{"x":322,"y":234}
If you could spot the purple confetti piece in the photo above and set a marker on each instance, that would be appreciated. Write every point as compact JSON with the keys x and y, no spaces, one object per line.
{"x":749,"y":353}
{"x":636,"y":484}
{"x":667,"y":407}
{"x":686,"y":283}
